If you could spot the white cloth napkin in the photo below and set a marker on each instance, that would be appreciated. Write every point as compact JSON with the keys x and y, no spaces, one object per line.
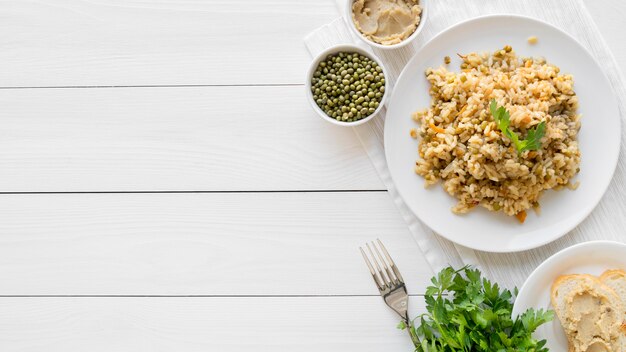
{"x":608,"y":221}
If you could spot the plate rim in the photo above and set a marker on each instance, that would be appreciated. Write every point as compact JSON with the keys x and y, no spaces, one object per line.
{"x":613,"y":163}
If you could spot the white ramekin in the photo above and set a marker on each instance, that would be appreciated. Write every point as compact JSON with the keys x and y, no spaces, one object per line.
{"x":350,"y":21}
{"x":350,"y":48}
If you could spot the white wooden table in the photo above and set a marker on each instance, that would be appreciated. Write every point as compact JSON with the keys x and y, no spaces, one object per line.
{"x":166,"y":187}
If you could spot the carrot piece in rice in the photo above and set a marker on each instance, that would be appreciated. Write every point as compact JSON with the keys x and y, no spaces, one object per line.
{"x":436,"y":129}
{"x":521,"y":216}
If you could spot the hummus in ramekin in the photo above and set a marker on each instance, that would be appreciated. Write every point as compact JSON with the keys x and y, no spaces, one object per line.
{"x":386,"y":22}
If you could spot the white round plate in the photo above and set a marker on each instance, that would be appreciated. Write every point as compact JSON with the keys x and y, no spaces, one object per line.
{"x":599,"y":137}
{"x":584,"y":258}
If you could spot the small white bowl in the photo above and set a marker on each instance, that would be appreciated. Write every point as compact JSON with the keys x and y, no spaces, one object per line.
{"x":423,"y":16}
{"x":334,"y":50}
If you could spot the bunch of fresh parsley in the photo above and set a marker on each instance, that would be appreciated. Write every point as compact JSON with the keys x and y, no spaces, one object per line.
{"x":469,"y":313}
{"x":503,"y":119}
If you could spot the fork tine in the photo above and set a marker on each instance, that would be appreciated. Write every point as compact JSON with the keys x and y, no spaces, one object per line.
{"x":392,"y":277}
{"x":393,"y":265}
{"x":382,"y":274}
{"x":369,"y":265}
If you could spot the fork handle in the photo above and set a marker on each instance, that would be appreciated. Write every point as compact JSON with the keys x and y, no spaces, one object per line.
{"x":413,"y":334}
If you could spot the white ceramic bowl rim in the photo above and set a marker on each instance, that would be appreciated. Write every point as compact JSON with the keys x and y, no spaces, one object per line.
{"x":423,"y":18}
{"x":333,"y":50}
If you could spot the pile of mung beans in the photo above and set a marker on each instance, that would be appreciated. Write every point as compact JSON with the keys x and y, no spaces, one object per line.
{"x":348,"y":86}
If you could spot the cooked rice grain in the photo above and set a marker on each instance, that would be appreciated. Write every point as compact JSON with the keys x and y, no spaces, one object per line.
{"x":462,"y":145}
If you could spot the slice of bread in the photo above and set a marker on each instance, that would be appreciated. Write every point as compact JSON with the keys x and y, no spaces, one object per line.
{"x":590,"y":313}
{"x":561,"y":288}
{"x":616,"y":280}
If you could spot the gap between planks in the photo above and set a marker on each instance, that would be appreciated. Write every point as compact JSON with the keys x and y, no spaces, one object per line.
{"x":208,"y":192}
{"x":193,"y":296}
{"x":157,"y":86}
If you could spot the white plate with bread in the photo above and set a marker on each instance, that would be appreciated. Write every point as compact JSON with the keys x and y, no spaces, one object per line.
{"x":586,"y":287}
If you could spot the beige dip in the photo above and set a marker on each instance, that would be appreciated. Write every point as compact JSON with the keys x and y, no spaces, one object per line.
{"x":386,"y":22}
{"x":596,"y":324}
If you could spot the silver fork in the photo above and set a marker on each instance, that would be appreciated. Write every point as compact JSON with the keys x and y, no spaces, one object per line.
{"x":389,"y":283}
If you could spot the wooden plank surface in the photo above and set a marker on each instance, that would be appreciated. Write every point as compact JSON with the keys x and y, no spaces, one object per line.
{"x":191,"y":138}
{"x":156,"y":42}
{"x":243,"y":324}
{"x":199,"y":244}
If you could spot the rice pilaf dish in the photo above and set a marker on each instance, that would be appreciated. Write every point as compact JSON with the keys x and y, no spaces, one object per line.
{"x":462,"y":145}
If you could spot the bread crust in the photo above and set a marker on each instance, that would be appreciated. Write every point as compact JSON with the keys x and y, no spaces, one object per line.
{"x":607,"y":278}
{"x":610,"y":273}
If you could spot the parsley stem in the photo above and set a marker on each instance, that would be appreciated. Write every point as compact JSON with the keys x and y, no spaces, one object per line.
{"x":411,"y":328}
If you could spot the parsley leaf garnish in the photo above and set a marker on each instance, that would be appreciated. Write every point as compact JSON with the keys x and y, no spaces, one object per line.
{"x":466,"y":312}
{"x":503,"y":119}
